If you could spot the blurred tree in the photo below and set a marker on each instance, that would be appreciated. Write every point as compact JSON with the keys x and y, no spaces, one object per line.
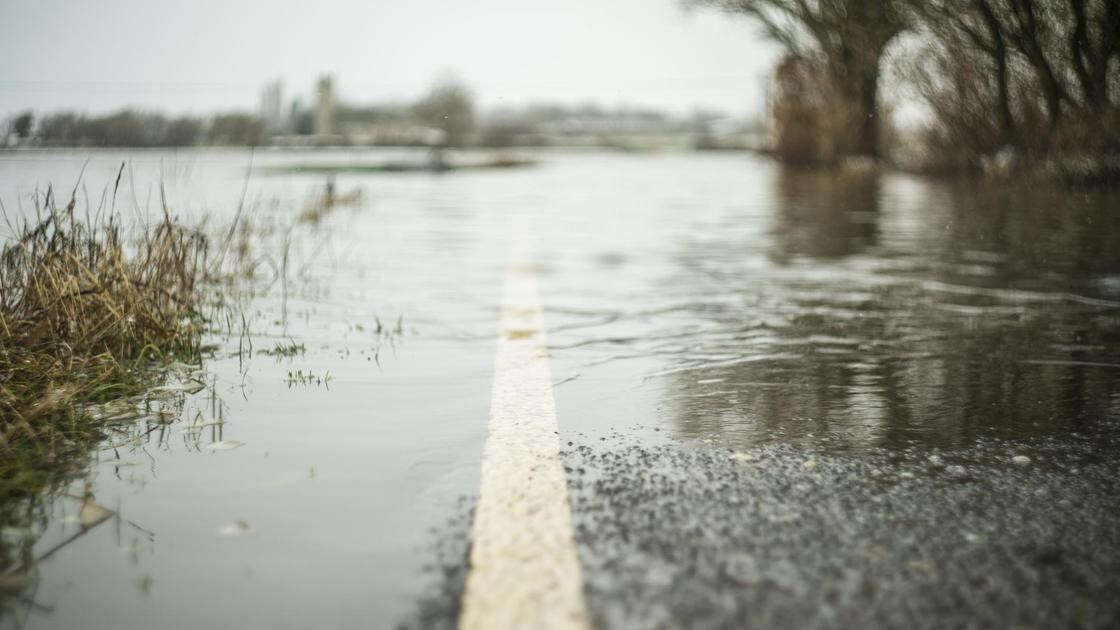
{"x":60,"y":129}
{"x":448,"y":107}
{"x":182,"y":132}
{"x":22,"y":125}
{"x":848,"y":38}
{"x":301,"y":122}
{"x":1044,"y":73}
{"x":967,"y":30}
{"x":237,"y":129}
{"x":125,"y":128}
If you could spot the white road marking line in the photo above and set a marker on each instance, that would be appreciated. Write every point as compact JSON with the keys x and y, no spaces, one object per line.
{"x":524,"y":569}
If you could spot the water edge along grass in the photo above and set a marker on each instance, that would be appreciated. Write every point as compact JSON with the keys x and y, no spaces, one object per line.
{"x":87,"y":307}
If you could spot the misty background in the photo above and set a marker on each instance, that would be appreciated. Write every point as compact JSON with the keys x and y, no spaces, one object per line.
{"x":196,"y":57}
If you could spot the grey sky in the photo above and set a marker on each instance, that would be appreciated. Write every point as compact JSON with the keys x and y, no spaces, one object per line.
{"x":200,"y":56}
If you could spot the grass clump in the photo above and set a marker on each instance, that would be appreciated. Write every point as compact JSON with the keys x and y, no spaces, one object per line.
{"x":86,"y":308}
{"x":288,"y":350}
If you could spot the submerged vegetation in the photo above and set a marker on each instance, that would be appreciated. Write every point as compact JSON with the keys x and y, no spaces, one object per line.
{"x":97,"y":315}
{"x":86,"y":306}
{"x":286,"y":350}
{"x":299,"y":377}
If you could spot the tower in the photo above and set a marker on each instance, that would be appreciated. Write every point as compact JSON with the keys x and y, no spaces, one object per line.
{"x":324,"y":110}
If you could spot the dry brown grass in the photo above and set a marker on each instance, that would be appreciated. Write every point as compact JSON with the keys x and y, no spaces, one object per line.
{"x":86,"y":306}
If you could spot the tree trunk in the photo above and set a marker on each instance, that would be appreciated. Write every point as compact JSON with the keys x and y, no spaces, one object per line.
{"x":857,"y":85}
{"x":867,"y":123}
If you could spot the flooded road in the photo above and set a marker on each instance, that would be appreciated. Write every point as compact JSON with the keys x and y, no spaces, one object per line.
{"x":854,"y":311}
{"x":701,"y":303}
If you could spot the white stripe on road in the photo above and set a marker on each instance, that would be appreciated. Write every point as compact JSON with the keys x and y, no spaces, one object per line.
{"x":524,"y":570}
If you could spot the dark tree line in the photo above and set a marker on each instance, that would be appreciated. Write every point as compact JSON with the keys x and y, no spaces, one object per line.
{"x":130,"y":128}
{"x":1036,"y":76}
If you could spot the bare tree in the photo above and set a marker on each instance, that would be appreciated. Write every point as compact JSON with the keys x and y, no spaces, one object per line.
{"x":1094,"y":44}
{"x":1068,"y":50}
{"x":849,"y":37}
{"x":966,"y":28}
{"x":449,"y":108}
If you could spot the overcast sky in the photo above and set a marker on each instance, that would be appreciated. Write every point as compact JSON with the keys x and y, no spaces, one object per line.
{"x":198,"y":56}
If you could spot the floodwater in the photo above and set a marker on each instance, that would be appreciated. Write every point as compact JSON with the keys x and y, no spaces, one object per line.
{"x":709,"y":299}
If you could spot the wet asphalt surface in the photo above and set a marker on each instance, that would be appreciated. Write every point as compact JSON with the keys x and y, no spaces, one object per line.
{"x":775,"y":537}
{"x":684,"y":536}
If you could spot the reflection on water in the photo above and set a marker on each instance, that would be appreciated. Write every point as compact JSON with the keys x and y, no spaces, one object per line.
{"x":183,"y":415}
{"x":954,"y":314}
{"x":822,"y":215}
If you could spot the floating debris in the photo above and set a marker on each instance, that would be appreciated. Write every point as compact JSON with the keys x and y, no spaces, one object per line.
{"x":1020,"y":460}
{"x":92,"y":514}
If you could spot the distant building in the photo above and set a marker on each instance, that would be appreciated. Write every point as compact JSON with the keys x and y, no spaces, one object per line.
{"x":324,"y":110}
{"x":272,"y":107}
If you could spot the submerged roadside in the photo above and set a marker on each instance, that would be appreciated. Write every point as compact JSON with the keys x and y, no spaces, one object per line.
{"x":332,"y":420}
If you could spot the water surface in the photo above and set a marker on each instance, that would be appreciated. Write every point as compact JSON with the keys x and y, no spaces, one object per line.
{"x":710,"y":299}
